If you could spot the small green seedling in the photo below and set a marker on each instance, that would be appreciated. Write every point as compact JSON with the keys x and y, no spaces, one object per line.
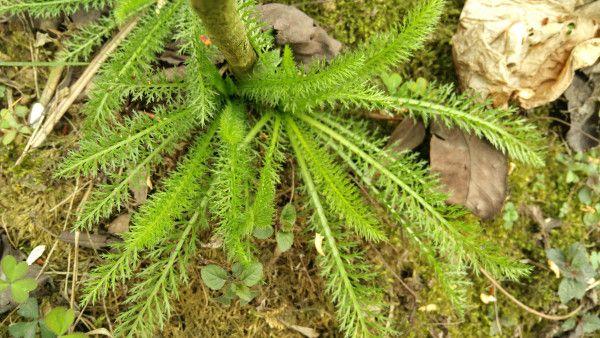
{"x":587,"y":324}
{"x":10,"y":125}
{"x":27,"y":310}
{"x":577,"y":269}
{"x":285,"y":236}
{"x":510,"y":215}
{"x":55,"y":325}
{"x":396,"y":86}
{"x":58,"y":321}
{"x":583,"y":171}
{"x":391,"y":82}
{"x":237,"y":284}
{"x":15,"y":279}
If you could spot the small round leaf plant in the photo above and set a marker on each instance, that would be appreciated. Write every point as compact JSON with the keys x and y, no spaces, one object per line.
{"x":243,"y":120}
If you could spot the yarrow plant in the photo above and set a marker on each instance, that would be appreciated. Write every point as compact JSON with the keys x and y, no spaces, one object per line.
{"x":310,"y":115}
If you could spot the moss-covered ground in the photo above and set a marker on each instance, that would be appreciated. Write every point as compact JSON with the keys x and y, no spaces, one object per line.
{"x":293,"y":292}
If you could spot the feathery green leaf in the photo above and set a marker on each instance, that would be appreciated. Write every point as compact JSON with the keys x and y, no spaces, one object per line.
{"x":348,"y":280}
{"x":49,"y":8}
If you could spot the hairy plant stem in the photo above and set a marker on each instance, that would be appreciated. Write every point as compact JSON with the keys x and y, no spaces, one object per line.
{"x":225,"y":28}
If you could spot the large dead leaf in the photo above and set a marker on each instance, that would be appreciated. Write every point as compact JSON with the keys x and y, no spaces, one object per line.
{"x":527,"y":50}
{"x":472,"y":171}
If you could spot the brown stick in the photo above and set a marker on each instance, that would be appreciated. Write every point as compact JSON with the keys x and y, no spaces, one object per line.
{"x":525,"y":307}
{"x":227,"y":32}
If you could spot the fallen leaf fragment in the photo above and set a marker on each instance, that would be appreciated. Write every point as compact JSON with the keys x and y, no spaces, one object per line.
{"x":429,"y":308}
{"x":472,"y":171}
{"x":120,"y":224}
{"x":407,"y":135}
{"x":486,"y":299}
{"x":319,"y":243}
{"x":36,"y":253}
{"x":554,"y":268}
{"x":305,"y":331}
{"x":87,"y":240}
{"x":582,"y":103}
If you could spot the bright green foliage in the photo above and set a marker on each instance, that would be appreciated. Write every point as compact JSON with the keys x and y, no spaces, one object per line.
{"x":263,"y":209}
{"x":81,"y":44}
{"x":133,"y":60}
{"x":232,"y":185}
{"x":235,"y":285}
{"x":12,"y":123}
{"x":240,"y":131}
{"x":56,"y":323}
{"x":59,"y":319}
{"x":159,"y":281}
{"x":577,"y":270}
{"x":126,"y":8}
{"x":49,"y":8}
{"x":15,"y":279}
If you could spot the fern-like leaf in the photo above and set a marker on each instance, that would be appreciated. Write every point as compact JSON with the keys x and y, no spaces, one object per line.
{"x":49,"y":8}
{"x":133,"y":60}
{"x":340,"y":193}
{"x":113,"y":149}
{"x":450,"y":277}
{"x":414,"y":192}
{"x":349,"y":281}
{"x":157,"y":216}
{"x":126,"y":8}
{"x":110,"y":197}
{"x":260,"y":39}
{"x":81,"y":44}
{"x":158,"y":283}
{"x":503,"y":128}
{"x":231,"y":185}
{"x":292,"y":91}
{"x":263,"y":208}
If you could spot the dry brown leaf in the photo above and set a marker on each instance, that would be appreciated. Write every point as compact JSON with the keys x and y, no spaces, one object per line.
{"x":87,"y":240}
{"x":120,"y":224}
{"x":305,"y":331}
{"x":582,"y":98}
{"x":472,"y":171}
{"x":139,"y":187}
{"x":407,"y":135}
{"x":527,"y":50}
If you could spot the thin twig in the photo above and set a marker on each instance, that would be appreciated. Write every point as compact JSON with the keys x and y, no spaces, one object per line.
{"x":7,"y":234}
{"x":593,"y":285}
{"x":35,"y":72}
{"x":583,"y":132}
{"x":63,"y":229}
{"x":110,"y":327}
{"x":75,"y":269}
{"x":391,"y":270}
{"x":51,"y":85}
{"x":525,"y":307}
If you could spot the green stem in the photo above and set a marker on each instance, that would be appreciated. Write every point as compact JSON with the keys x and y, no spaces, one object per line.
{"x":256,"y":128}
{"x":227,"y":31}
